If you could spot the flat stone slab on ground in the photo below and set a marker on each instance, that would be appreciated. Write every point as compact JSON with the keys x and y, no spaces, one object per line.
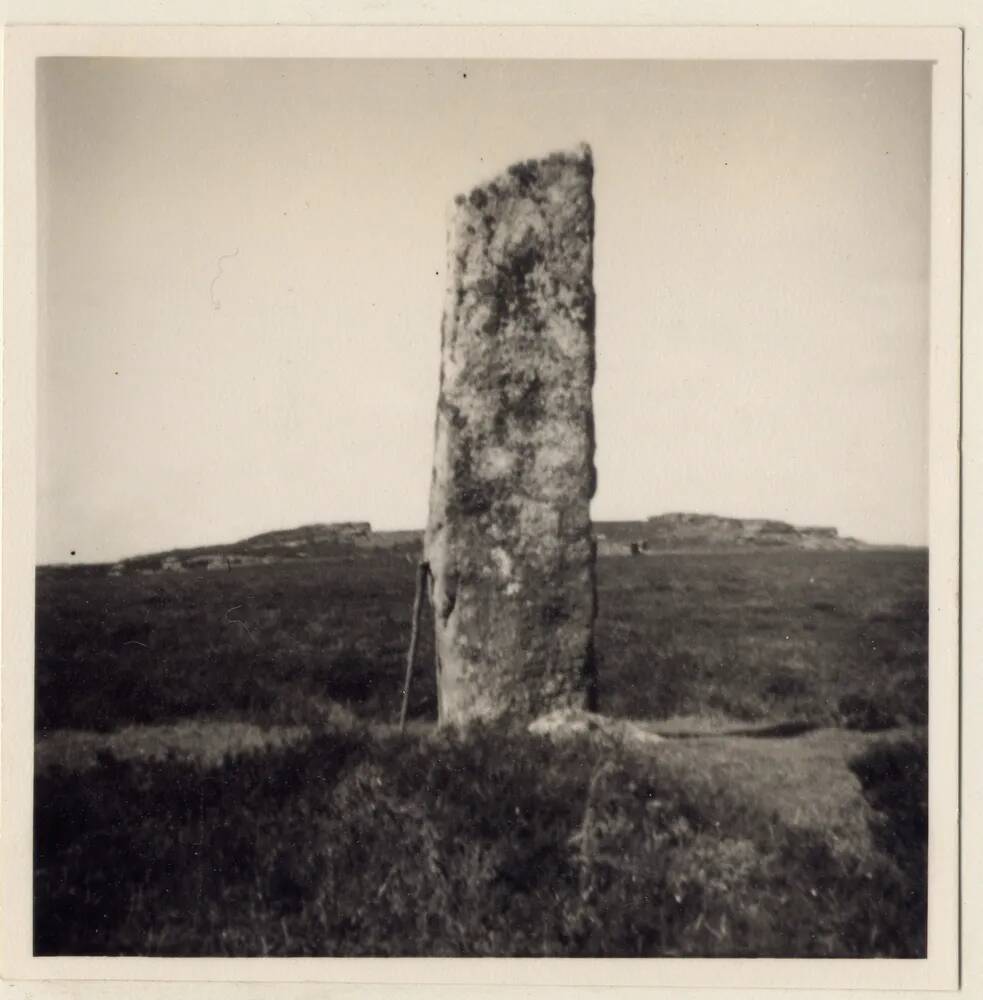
{"x":565,"y":723}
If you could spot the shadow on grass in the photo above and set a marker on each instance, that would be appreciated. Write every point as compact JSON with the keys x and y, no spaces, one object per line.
{"x":501,"y":844}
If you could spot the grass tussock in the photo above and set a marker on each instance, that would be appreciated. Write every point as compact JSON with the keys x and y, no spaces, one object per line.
{"x":498,"y":844}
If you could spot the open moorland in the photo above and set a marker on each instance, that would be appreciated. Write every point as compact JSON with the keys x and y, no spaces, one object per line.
{"x":219,"y":773}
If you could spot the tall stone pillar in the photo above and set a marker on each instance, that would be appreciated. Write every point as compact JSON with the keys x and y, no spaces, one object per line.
{"x":509,"y":535}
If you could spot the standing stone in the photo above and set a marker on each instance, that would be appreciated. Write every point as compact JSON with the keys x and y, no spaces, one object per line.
{"x":509,"y":534}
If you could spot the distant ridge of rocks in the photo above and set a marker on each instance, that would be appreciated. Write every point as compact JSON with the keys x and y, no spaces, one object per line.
{"x":688,"y":532}
{"x":311,"y":534}
{"x":310,"y":541}
{"x":676,"y":532}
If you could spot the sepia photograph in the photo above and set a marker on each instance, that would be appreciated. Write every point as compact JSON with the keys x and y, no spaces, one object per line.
{"x":483,"y":507}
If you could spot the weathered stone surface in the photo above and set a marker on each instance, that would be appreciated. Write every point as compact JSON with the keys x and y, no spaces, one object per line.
{"x":509,"y":535}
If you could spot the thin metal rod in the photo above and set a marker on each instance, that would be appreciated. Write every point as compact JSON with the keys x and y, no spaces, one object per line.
{"x":421,"y":578}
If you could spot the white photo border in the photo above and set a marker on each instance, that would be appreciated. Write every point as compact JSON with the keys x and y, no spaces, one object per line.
{"x":942,"y":46}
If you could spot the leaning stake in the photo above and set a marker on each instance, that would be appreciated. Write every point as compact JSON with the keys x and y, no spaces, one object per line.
{"x":421,"y":579}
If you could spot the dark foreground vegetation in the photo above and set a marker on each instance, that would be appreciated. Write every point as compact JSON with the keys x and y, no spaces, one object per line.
{"x":357,"y":841}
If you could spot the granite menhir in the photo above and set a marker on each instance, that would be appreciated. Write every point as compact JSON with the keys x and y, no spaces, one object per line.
{"x":509,"y":535}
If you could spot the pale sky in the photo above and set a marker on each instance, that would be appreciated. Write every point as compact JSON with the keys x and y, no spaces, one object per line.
{"x":243,"y":274}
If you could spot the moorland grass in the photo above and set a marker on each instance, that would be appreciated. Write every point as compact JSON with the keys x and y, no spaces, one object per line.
{"x":826,"y":637}
{"x":354,"y":840}
{"x":497,"y":844}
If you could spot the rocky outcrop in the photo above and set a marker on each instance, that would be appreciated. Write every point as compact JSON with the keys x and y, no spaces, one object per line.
{"x":697,"y":532}
{"x":311,"y":534}
{"x":509,"y":537}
